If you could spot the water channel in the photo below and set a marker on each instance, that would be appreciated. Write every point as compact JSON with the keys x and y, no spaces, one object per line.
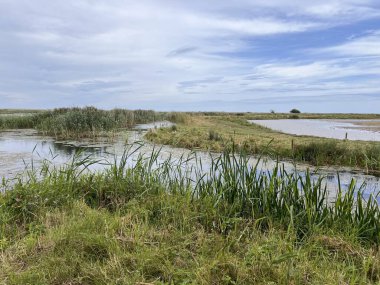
{"x":23,"y":149}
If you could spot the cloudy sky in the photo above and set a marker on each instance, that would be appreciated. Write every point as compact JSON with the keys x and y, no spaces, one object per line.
{"x":243,"y":55}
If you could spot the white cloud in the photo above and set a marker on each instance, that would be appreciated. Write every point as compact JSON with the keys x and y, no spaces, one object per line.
{"x":116,"y":52}
{"x":363,"y":46}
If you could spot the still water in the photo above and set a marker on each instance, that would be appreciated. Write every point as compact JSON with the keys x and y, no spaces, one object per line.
{"x":367,"y":130}
{"x":23,"y":149}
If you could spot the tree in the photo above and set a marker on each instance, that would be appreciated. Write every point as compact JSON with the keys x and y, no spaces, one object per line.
{"x":295,"y":111}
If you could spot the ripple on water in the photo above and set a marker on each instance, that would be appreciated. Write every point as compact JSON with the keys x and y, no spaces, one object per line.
{"x":19,"y":149}
{"x":366,"y":130}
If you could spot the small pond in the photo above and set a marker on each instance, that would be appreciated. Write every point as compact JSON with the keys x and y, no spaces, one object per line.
{"x":366,"y":130}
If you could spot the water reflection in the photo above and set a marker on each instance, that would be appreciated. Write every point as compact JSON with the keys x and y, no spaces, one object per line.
{"x":366,"y":130}
{"x":69,"y":150}
{"x":18,"y":149}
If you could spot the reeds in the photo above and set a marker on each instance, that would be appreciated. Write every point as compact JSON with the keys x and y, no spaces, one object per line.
{"x":19,"y":122}
{"x":80,"y":122}
{"x":178,"y":117}
{"x":232,"y":186}
{"x":149,"y":220}
{"x":92,"y":122}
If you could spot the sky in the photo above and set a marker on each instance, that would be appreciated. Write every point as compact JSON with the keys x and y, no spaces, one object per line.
{"x":216,"y":55}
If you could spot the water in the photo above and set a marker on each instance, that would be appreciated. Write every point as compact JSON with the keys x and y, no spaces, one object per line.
{"x":155,"y":125}
{"x":21,"y":149}
{"x":366,"y":130}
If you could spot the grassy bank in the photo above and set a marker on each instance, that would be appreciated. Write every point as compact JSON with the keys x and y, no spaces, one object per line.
{"x":222,"y":132}
{"x":149,"y":225}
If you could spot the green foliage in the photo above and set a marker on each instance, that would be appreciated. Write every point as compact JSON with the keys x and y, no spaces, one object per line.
{"x":214,"y":136}
{"x":225,"y":133}
{"x":20,"y":122}
{"x":91,"y":122}
{"x":79,"y":122}
{"x":178,"y":117}
{"x":151,"y":224}
{"x":295,"y":111}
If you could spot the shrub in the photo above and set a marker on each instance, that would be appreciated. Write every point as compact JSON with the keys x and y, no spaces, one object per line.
{"x":295,"y":111}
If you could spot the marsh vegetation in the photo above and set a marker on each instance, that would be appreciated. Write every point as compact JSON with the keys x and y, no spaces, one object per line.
{"x":151,"y":222}
{"x":225,"y":131}
{"x":80,"y":122}
{"x":155,"y":225}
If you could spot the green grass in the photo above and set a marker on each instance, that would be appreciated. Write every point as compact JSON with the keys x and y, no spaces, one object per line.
{"x":209,"y":131}
{"x":154,"y":225}
{"x":77,"y":123}
{"x":17,"y":122}
{"x":91,"y":122}
{"x":220,"y":133}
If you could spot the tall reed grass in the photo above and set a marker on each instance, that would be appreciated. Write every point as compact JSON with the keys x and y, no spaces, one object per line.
{"x":80,"y":122}
{"x":160,"y":221}
{"x":231,"y":186}
{"x":20,"y":122}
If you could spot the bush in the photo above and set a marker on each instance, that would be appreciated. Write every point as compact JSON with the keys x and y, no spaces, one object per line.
{"x":295,"y":111}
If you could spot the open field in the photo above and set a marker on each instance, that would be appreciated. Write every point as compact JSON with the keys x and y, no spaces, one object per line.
{"x":143,"y":225}
{"x":227,"y":131}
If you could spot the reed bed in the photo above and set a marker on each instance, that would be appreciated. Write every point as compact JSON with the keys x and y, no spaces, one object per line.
{"x":163,"y":222}
{"x":80,"y":122}
{"x":19,"y":122}
{"x":233,"y":186}
{"x":92,"y":122}
{"x":88,"y":122}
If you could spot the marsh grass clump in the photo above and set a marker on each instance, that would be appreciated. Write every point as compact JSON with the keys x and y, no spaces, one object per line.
{"x":77,"y":123}
{"x":178,"y":117}
{"x":21,"y":122}
{"x":214,"y":136}
{"x":318,"y":153}
{"x":91,"y":122}
{"x":174,"y":128}
{"x":153,"y":223}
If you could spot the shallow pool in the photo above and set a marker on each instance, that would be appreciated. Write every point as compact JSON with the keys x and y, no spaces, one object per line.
{"x":23,"y":149}
{"x":366,"y":130}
